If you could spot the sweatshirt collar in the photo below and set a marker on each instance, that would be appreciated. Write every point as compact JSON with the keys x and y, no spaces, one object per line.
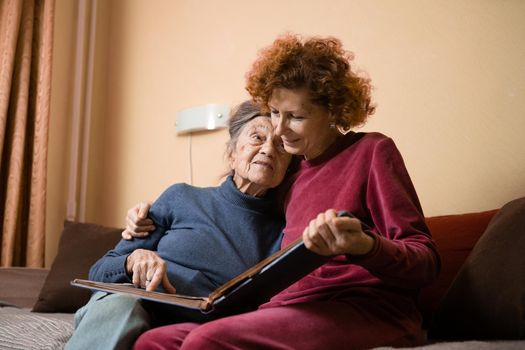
{"x":337,"y":147}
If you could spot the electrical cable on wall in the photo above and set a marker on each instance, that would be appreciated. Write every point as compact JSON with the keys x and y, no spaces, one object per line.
{"x":191,"y":159}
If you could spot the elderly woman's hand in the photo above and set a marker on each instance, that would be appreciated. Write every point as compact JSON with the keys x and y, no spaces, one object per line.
{"x":331,"y":235}
{"x":148,"y":270}
{"x":137,"y":222}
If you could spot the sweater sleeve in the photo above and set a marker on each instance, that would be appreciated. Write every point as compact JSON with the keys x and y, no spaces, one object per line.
{"x":112,"y":266}
{"x":404,"y":254}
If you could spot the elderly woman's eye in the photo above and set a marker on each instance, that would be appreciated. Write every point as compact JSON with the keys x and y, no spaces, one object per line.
{"x":257,"y":138}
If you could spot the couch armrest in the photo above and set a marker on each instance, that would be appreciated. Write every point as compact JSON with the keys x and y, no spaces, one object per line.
{"x":455,"y":236}
{"x":21,"y":285}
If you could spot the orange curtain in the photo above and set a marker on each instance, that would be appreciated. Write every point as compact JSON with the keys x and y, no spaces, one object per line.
{"x":26,"y":41}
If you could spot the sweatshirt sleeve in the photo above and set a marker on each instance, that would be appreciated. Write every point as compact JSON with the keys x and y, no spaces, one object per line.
{"x":404,"y":254}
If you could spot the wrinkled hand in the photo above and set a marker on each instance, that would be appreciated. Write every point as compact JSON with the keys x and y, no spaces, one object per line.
{"x":331,"y":235}
{"x":137,"y":222}
{"x":148,"y":270}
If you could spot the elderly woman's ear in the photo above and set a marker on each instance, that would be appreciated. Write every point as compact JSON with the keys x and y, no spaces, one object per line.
{"x":230,"y":157}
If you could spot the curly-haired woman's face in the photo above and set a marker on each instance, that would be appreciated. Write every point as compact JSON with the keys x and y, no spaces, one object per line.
{"x":303,"y":126}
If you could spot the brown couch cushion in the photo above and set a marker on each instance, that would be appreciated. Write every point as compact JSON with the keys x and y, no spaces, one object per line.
{"x":455,"y":236}
{"x":81,"y":245}
{"x":20,"y":285}
{"x":487,"y":298}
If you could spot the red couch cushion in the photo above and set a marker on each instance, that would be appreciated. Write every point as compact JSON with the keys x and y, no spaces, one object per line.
{"x":455,"y":236}
{"x":487,"y":297}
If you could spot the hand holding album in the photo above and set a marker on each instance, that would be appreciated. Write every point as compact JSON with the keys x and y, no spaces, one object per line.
{"x":332,"y":233}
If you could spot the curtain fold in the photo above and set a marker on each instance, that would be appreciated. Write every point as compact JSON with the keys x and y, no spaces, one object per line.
{"x":25,"y":85}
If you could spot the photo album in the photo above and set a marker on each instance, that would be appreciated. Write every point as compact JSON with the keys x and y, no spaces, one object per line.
{"x":244,"y":292}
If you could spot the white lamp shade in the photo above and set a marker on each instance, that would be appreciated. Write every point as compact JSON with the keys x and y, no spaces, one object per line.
{"x":208,"y":117}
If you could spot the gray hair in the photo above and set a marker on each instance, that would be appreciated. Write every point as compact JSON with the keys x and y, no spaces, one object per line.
{"x":239,"y":117}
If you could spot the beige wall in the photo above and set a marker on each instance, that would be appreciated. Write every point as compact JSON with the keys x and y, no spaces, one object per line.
{"x":449,"y":83}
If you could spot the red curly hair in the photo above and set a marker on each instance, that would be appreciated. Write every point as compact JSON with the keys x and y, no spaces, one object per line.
{"x":320,"y":65}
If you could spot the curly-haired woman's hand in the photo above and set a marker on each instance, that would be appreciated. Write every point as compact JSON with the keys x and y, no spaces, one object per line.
{"x":329,"y":234}
{"x":137,"y":222}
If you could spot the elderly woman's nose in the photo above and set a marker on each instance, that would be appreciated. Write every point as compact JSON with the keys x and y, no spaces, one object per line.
{"x":268,"y":147}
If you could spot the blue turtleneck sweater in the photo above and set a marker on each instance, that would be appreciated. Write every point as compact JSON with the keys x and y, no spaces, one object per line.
{"x":207,"y":236}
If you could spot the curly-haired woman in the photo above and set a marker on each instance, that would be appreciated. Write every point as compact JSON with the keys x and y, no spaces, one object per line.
{"x":365,"y":296}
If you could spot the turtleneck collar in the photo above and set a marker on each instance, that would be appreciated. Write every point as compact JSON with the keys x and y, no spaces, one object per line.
{"x":229,"y":191}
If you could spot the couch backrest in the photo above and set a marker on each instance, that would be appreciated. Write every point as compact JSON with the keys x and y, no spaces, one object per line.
{"x":455,"y":236}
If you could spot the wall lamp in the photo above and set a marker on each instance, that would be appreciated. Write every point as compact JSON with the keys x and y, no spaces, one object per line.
{"x":208,"y":117}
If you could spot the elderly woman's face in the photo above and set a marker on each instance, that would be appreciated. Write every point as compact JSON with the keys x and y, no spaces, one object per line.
{"x":303,"y":126}
{"x":259,"y":160}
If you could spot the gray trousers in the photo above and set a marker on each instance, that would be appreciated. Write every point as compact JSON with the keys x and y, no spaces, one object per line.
{"x":109,"y":321}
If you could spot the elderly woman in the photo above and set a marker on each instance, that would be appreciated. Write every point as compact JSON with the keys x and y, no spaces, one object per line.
{"x":365,"y":296}
{"x":203,"y":238}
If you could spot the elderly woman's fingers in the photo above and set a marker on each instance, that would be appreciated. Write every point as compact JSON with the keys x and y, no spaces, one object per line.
{"x":140,"y":272}
{"x":136,"y":265}
{"x":156,"y":271}
{"x":135,"y":275}
{"x":153,"y":281}
{"x":168,"y":287}
{"x":148,"y":270}
{"x":160,"y":277}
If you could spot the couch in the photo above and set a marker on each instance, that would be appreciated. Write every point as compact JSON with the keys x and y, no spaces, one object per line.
{"x":477,"y":302}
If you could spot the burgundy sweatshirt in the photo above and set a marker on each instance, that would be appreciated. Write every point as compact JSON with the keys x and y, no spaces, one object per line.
{"x":364,"y":174}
